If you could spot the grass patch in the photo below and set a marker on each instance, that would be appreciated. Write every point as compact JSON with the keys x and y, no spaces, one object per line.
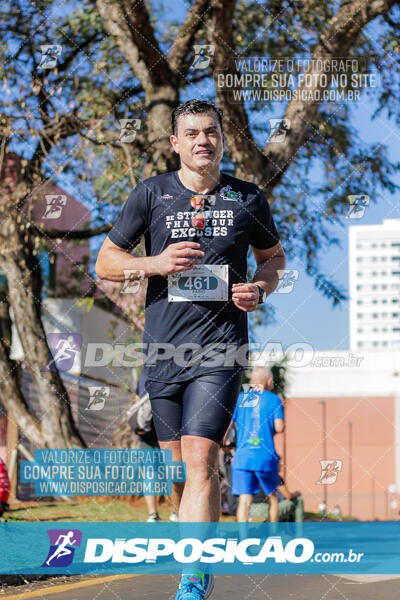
{"x":88,"y":510}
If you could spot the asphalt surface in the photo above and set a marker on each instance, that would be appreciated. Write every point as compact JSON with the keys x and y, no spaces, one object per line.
{"x":231,"y":587}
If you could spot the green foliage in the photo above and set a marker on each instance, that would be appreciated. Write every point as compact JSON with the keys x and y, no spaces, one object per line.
{"x":279,"y":375}
{"x":94,"y":83}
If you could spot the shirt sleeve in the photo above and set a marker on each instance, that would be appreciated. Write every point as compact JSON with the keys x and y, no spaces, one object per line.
{"x":263,"y":232}
{"x":132,"y":221}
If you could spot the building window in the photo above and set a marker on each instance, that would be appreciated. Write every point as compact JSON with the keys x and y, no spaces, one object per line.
{"x":359,"y":344}
{"x":374,"y":315}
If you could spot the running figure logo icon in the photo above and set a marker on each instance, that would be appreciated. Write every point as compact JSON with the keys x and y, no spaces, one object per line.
{"x":97,"y":397}
{"x":287,"y":279}
{"x":330,"y":470}
{"x":203,"y":54}
{"x":62,"y":547}
{"x":358,"y":204}
{"x":50,"y":54}
{"x":64,"y":347}
{"x":251,"y":395}
{"x":54,"y":206}
{"x":279,"y":129}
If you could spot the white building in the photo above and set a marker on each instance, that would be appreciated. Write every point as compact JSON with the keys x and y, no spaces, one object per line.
{"x":374,"y":286}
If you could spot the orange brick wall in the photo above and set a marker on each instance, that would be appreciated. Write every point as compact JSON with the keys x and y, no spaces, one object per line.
{"x":373,"y":452}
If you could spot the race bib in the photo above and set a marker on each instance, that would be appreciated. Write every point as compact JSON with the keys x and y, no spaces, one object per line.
{"x":202,"y":283}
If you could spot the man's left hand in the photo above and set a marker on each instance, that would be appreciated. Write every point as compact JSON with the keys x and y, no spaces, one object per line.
{"x":245,"y":296}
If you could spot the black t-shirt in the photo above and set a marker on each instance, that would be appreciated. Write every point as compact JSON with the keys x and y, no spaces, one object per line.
{"x":159,"y":208}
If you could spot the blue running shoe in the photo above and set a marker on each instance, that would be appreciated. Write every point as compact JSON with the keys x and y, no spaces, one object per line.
{"x":191,"y":588}
{"x":208,"y":585}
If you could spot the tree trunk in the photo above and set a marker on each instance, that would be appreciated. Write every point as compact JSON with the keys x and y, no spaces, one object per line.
{"x":24,"y":282}
{"x":160,"y":102}
{"x":10,"y":393}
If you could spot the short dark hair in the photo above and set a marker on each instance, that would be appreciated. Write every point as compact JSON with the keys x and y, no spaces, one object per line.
{"x":192,"y":107}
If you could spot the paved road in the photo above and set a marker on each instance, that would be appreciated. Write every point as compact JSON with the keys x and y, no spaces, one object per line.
{"x":230,"y":587}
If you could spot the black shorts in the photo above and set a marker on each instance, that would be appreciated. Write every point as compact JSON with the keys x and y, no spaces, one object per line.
{"x":201,"y":406}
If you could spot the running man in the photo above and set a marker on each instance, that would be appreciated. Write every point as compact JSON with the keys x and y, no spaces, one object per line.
{"x":198,"y":224}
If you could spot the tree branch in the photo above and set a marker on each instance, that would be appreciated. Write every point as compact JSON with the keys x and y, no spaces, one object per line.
{"x":129,"y":23}
{"x":79,"y":234}
{"x":242,"y":148}
{"x":183,"y":42}
{"x":267,"y":168}
{"x":341,"y":33}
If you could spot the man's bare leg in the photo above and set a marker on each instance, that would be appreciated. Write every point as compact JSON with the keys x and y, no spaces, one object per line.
{"x":177,"y":487}
{"x":242,"y":513}
{"x":273,"y":508}
{"x":151,"y":502}
{"x":201,"y":498}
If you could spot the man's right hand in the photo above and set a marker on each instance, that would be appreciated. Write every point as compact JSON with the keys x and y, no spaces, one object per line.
{"x":177,"y":257}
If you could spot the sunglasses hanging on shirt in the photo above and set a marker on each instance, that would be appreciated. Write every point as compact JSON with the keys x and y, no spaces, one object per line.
{"x":200,"y":216}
